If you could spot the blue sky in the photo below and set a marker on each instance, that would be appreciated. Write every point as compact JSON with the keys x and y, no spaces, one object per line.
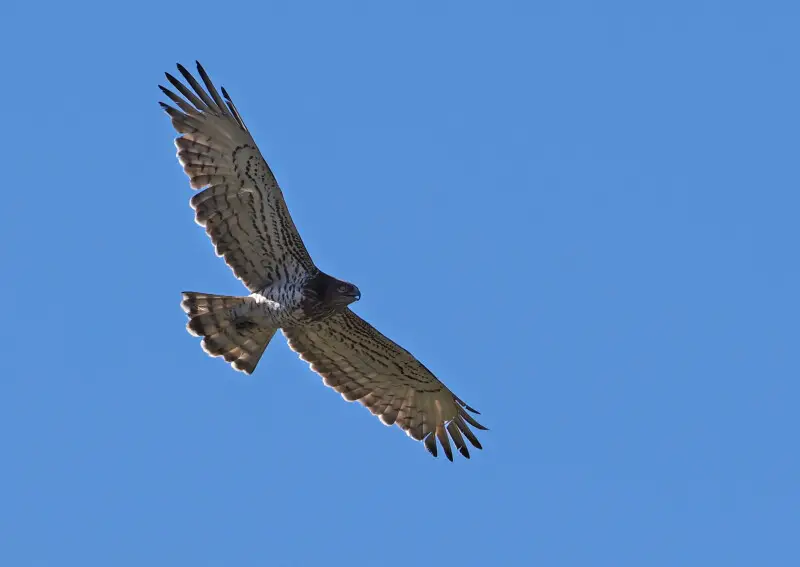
{"x":582,"y":216}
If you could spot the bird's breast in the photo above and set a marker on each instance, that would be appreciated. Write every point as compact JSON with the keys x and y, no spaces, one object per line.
{"x":295,"y":303}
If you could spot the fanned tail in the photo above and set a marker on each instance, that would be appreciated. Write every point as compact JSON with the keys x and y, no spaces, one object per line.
{"x":226,"y":330}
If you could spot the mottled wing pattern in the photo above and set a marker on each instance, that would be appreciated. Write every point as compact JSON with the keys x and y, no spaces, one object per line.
{"x":242,"y":207}
{"x":360,"y":363}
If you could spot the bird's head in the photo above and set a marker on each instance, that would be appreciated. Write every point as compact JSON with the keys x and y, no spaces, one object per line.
{"x":342,"y":293}
{"x":326,"y":292}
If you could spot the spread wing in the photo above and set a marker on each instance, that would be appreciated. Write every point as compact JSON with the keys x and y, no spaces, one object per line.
{"x":242,"y":207}
{"x":361,"y":364}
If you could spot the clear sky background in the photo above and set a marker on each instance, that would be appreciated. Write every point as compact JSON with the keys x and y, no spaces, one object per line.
{"x":582,"y":216}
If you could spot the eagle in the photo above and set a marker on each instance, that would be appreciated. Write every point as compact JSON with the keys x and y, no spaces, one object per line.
{"x":243,"y":211}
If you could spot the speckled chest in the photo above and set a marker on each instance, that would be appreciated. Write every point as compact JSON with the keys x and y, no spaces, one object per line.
{"x":297,"y":302}
{"x":284,"y":301}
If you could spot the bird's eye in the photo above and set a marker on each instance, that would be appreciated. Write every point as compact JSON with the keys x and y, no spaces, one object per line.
{"x":342,"y":288}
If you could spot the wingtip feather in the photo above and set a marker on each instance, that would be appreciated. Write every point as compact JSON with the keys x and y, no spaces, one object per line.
{"x":430,"y":444}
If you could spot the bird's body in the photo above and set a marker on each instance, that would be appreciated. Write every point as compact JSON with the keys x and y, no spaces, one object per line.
{"x":294,"y":302}
{"x":243,"y":211}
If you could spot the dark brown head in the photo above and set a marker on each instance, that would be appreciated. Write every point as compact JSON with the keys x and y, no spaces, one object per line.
{"x":341,"y":293}
{"x":331,"y":293}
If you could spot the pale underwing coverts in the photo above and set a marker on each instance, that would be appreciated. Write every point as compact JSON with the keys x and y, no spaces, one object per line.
{"x":243,"y":211}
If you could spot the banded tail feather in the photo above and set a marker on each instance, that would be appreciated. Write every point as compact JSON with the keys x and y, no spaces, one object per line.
{"x":226,"y":330}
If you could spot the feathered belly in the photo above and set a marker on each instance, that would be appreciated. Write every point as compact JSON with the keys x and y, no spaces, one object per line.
{"x":282,"y":305}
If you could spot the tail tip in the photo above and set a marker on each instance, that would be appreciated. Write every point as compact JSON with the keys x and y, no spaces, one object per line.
{"x":191,"y":329}
{"x":188,"y":301}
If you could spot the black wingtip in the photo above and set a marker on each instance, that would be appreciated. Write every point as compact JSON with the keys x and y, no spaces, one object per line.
{"x":173,"y":113}
{"x":167,"y":92}
{"x":465,"y":406}
{"x":430,"y":444}
{"x":225,"y":93}
{"x":464,"y":451}
{"x":472,"y":422}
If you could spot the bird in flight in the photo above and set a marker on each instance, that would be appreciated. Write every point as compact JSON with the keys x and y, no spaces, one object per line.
{"x":243,"y":211}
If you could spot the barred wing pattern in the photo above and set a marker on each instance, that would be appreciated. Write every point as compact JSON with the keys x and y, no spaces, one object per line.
{"x":242,"y":207}
{"x":360,"y":363}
